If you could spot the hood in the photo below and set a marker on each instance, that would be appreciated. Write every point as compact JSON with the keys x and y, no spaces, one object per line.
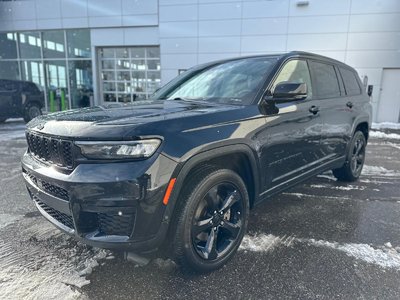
{"x":119,"y":119}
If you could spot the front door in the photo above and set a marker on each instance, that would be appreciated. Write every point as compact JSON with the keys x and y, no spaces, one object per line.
{"x":291,"y":143}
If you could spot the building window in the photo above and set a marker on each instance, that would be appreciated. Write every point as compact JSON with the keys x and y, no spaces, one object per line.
{"x":58,"y":61}
{"x":129,"y":73}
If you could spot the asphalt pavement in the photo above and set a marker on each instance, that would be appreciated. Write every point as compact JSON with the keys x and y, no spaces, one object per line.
{"x":322,"y":239}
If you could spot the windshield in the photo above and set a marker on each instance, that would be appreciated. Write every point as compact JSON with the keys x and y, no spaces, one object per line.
{"x":236,"y":82}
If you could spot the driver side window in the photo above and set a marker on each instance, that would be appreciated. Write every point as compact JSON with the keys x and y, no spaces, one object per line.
{"x":295,"y":71}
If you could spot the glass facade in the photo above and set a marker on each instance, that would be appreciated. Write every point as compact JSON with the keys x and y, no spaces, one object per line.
{"x":58,"y":61}
{"x":129,"y":73}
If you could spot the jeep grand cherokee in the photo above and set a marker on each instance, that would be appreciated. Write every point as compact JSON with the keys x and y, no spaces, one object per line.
{"x":183,"y":168}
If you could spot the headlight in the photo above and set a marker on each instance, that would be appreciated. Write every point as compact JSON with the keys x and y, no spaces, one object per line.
{"x":118,"y":150}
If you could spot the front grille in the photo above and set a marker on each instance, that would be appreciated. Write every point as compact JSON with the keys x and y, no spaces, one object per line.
{"x":113,"y":224}
{"x":52,"y":150}
{"x":52,"y":189}
{"x":55,"y":214}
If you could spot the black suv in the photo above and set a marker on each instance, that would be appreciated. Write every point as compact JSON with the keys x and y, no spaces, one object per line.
{"x":20,"y":99}
{"x":182,"y":169}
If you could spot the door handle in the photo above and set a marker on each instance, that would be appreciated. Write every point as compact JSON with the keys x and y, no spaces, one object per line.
{"x":314,"y":109}
{"x":349,"y":104}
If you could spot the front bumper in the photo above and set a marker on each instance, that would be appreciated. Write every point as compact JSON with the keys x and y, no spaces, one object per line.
{"x":107,"y":205}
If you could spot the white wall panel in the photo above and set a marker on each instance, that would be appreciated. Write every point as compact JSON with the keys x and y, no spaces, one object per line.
{"x":179,"y":45}
{"x":23,"y":10}
{"x":264,"y":26}
{"x":167,"y":75}
{"x":140,"y":20}
{"x":105,"y":21}
{"x":219,"y":28}
{"x":25,"y":24}
{"x":104,"y":8}
{"x":75,"y":22}
{"x":373,"y":59}
{"x":48,"y":23}
{"x":318,"y":24}
{"x":262,"y":9}
{"x":178,"y":29}
{"x":107,"y":37}
{"x":220,"y":11}
{"x":176,"y":2}
{"x":175,"y":13}
{"x":375,"y":6}
{"x":265,"y":43}
{"x":209,"y":57}
{"x":137,"y":7}
{"x":332,"y":41}
{"x":74,"y":9}
{"x":48,"y":9}
{"x":140,"y":36}
{"x":178,"y":61}
{"x":320,"y":7}
{"x":374,"y":22}
{"x":219,"y":45}
{"x":374,"y":41}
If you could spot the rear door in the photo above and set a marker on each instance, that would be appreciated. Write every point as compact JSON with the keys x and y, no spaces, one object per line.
{"x":336,"y":108}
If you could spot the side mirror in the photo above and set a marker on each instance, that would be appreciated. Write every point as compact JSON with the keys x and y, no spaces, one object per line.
{"x":289,"y":91}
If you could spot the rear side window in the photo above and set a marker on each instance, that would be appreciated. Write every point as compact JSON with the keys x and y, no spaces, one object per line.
{"x":350,"y":82}
{"x":325,"y":80}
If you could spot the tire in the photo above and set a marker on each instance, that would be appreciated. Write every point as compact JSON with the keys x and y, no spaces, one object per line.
{"x":32,"y":110}
{"x":211,"y":220}
{"x":2,"y":120}
{"x":355,"y":158}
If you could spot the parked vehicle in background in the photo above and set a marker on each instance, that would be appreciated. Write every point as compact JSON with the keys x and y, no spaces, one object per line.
{"x":183,"y":169}
{"x":20,"y":99}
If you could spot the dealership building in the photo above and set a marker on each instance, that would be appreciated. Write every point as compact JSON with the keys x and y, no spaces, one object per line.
{"x":100,"y":51}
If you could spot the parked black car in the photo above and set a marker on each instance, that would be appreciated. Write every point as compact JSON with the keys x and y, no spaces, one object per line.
{"x":20,"y":99}
{"x":183,"y":169}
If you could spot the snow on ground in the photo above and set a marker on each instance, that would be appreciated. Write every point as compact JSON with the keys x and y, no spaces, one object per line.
{"x":385,"y":125}
{"x":348,"y":187}
{"x":385,"y":256}
{"x":379,"y":171}
{"x":40,"y":262}
{"x":12,"y":130}
{"x":382,"y":135}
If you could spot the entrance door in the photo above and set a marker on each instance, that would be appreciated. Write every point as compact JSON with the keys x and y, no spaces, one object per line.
{"x":389,"y":104}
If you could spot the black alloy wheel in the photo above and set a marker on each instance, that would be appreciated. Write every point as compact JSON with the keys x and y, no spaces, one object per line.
{"x":212,"y":219}
{"x":351,"y":170}
{"x":358,"y":156}
{"x":217,"y":221}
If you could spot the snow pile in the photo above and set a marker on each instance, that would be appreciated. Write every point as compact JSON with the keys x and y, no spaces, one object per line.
{"x":379,"y":171}
{"x":42,"y":263}
{"x":382,"y":135}
{"x":260,"y":243}
{"x":264,"y":242}
{"x":387,"y":258}
{"x":385,"y":125}
{"x":342,"y":188}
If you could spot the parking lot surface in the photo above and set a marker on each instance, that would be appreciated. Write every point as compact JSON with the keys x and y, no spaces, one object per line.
{"x":322,"y":239}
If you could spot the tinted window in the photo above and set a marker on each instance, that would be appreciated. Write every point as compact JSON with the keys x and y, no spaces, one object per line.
{"x":325,"y":80}
{"x":295,"y":71}
{"x":350,"y":82}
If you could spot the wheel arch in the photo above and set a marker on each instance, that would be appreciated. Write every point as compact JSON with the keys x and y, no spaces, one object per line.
{"x":239,"y":158}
